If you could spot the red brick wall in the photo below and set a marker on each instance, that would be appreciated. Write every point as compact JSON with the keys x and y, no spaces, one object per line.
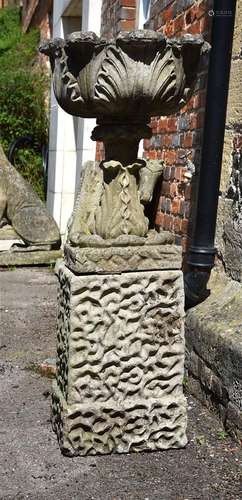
{"x":178,"y":137}
{"x":36,"y":13}
{"x":118,"y":15}
{"x":99,"y":151}
{"x":8,"y":3}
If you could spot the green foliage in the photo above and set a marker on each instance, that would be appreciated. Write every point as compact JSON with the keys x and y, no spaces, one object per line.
{"x":222,"y":435}
{"x":9,"y":18}
{"x":29,"y":165}
{"x":22,"y":94}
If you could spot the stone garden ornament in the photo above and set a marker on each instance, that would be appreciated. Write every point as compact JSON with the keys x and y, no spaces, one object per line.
{"x":25,"y":219}
{"x":120,"y":322}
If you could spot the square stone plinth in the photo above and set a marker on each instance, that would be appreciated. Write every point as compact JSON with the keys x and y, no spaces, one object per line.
{"x":118,"y":259}
{"x":120,"y":359}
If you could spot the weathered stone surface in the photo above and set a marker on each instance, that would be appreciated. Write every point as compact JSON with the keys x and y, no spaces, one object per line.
{"x":214,"y":349}
{"x":229,"y":217}
{"x":234,"y":420}
{"x":234,"y":109}
{"x":120,"y":210}
{"x":87,"y":201}
{"x":120,"y":336}
{"x":224,"y":214}
{"x":124,"y":240}
{"x":97,"y":78}
{"x":122,"y":82}
{"x":8,"y":238}
{"x":7,"y":233}
{"x":23,"y":209}
{"x":119,"y":259}
{"x":237,"y":38}
{"x":228,"y":238}
{"x":120,"y":362}
{"x":29,"y":257}
{"x":227,"y":161}
{"x":110,"y":200}
{"x":233,"y":249}
{"x":13,"y":251}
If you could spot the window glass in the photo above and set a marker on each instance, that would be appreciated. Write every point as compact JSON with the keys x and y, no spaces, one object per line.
{"x":144,"y":11}
{"x":146,"y":8}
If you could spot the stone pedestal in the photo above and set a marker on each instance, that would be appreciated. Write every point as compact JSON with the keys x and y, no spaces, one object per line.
{"x":13,"y":251}
{"x":120,"y":333}
{"x":8,"y":238}
{"x":120,"y":359}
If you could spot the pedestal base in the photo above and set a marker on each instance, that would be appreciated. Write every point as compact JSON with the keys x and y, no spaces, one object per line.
{"x":14,"y":252}
{"x":120,"y":359}
{"x":120,"y":259}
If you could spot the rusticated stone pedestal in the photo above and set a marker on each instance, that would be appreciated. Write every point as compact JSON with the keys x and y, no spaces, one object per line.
{"x":120,"y":359}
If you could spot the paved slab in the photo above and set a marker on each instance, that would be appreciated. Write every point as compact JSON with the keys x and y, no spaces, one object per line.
{"x":31,"y":465}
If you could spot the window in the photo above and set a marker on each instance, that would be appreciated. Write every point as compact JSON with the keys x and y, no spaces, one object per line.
{"x":144,"y":12}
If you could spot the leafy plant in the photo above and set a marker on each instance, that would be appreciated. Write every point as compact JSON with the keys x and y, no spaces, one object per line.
{"x":23,"y":86}
{"x":222,"y":435}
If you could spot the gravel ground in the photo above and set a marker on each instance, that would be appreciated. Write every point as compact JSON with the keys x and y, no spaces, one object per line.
{"x":31,"y":465}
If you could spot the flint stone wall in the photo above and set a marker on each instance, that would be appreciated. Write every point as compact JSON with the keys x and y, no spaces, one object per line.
{"x":120,"y":360}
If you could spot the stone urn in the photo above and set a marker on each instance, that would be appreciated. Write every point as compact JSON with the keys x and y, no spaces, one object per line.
{"x":127,"y":80}
{"x":120,"y":338}
{"x":122,"y":83}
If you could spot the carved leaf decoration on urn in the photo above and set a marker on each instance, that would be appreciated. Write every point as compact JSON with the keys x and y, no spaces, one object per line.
{"x":101,"y":78}
{"x":113,"y":80}
{"x":120,"y":211}
{"x":87,"y":79}
{"x":66,"y":88}
{"x":163,"y":77}
{"x":153,"y":84}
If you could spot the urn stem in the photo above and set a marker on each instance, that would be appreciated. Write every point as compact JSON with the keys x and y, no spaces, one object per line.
{"x":121,"y":141}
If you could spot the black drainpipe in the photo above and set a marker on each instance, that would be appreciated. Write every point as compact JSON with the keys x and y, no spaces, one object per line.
{"x":201,"y":253}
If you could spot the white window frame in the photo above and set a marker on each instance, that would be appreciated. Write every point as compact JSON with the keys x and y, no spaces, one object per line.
{"x":143,"y":13}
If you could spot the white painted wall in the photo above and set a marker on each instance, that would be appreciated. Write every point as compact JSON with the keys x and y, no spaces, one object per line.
{"x":86,"y":148}
{"x":69,"y":139}
{"x":143,"y":10}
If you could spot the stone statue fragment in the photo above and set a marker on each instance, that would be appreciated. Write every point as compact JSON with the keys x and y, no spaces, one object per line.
{"x":21,"y":207}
